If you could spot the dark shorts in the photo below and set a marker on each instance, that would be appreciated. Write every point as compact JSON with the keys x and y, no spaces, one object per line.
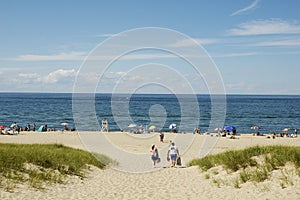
{"x":153,"y":157}
{"x":173,"y":156}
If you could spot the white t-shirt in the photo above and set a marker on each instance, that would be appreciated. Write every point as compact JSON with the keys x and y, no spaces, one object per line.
{"x":173,"y":149}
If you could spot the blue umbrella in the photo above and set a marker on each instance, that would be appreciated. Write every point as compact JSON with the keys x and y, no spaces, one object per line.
{"x":229,"y":128}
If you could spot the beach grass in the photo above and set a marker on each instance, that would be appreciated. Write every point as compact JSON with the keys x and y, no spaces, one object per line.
{"x":39,"y":164}
{"x":253,"y":163}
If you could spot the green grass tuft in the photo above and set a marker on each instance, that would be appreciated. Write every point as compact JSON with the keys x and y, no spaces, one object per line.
{"x":274,"y":157}
{"x":206,"y":176}
{"x":240,"y":159}
{"x":38,"y":164}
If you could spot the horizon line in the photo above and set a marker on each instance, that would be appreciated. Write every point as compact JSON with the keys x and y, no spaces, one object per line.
{"x":250,"y":94}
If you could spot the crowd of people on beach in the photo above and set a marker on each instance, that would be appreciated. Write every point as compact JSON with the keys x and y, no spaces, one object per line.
{"x":15,"y":129}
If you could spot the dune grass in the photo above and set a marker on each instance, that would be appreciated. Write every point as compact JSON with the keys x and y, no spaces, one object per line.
{"x":39,"y":164}
{"x":254,"y":163}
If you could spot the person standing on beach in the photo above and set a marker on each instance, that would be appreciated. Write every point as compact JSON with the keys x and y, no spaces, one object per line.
{"x":161,"y":136}
{"x":173,"y":153}
{"x":154,"y":155}
{"x":28,"y":127}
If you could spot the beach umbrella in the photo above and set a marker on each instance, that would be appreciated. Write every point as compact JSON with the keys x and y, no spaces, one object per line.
{"x":152,"y":127}
{"x":64,"y":124}
{"x":218,"y":129}
{"x":132,"y":126}
{"x":41,"y":128}
{"x":2,"y":127}
{"x":229,"y":128}
{"x":13,"y":125}
{"x":255,"y":127}
{"x":286,"y":129}
{"x":172,"y":126}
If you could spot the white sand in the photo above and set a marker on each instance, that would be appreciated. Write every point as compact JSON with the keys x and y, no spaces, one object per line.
{"x":165,"y":183}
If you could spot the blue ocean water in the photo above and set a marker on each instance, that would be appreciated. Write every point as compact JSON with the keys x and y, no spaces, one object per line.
{"x":271,"y":112}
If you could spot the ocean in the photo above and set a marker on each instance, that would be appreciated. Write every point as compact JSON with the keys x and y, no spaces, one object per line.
{"x":270,"y":112}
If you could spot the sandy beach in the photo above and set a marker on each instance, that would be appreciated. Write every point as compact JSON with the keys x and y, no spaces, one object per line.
{"x":159,"y":183}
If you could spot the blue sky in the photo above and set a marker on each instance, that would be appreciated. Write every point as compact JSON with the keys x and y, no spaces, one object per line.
{"x":255,"y":44}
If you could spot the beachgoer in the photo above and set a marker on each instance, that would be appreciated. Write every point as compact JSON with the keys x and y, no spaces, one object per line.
{"x":161,"y":136}
{"x":104,"y":125}
{"x":34,"y":127}
{"x":154,"y":155}
{"x":197,"y":130}
{"x":66,"y":128}
{"x":295,"y":132}
{"x":45,"y":128}
{"x":223,"y":133}
{"x":272,"y":134}
{"x":141,"y":129}
{"x":172,"y":154}
{"x":27,"y":127}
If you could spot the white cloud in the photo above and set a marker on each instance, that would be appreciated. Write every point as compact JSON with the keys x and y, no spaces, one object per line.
{"x":107,"y":35}
{"x":114,"y":75}
{"x":253,"y":5}
{"x":240,"y":54}
{"x":82,"y":56}
{"x":29,"y":75}
{"x":287,"y":42}
{"x":59,"y":74}
{"x":55,"y":57}
{"x":52,"y":77}
{"x":29,"y":78}
{"x":264,"y":27}
{"x":191,"y":42}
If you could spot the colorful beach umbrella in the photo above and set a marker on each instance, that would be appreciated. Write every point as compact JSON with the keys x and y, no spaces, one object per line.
{"x":218,"y":129}
{"x":2,"y":127}
{"x":286,"y":129}
{"x":152,"y":127}
{"x":229,"y":128}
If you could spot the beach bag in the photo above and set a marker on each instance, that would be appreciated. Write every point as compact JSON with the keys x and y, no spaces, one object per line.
{"x":158,"y":160}
{"x":178,"y":162}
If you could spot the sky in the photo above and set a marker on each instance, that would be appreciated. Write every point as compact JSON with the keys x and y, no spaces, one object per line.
{"x":253,"y":44}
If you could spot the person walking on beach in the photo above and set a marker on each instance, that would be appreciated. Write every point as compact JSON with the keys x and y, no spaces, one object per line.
{"x":173,"y":153}
{"x":154,"y":155}
{"x":161,"y":136}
